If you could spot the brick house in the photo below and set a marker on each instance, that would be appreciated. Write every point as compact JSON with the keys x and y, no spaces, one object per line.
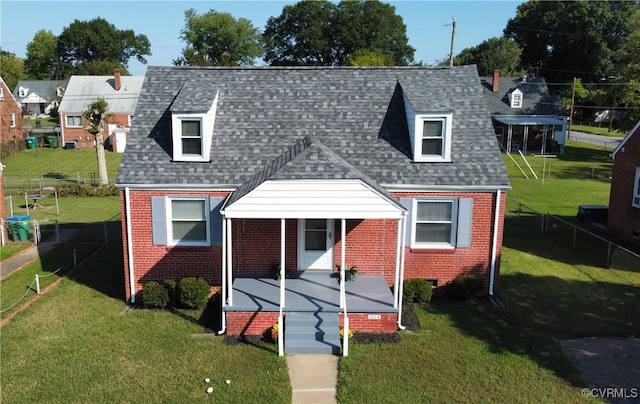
{"x":10,"y":116}
{"x":233,"y":172}
{"x":624,"y":200}
{"x":121,"y":94}
{"x":526,"y":116}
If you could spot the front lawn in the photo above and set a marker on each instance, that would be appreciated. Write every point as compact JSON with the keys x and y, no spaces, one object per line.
{"x":475,"y":352}
{"x":78,"y":344}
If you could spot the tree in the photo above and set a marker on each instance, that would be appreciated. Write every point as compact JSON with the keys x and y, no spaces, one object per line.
{"x":494,"y":53}
{"x":218,"y":39}
{"x":364,"y":57}
{"x":12,"y":69}
{"x":42,"y":61}
{"x":320,"y":33}
{"x":96,"y":114}
{"x":566,"y":39}
{"x":99,"y":42}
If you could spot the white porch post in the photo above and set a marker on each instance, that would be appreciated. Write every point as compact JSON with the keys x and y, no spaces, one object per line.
{"x":223,"y":274}
{"x":229,"y":253}
{"x":494,"y":243}
{"x":397,"y":268}
{"x":343,"y":255}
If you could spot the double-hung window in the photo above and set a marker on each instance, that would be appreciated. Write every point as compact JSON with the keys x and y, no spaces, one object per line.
{"x":636,"y":189}
{"x":188,"y":218}
{"x":74,"y":121}
{"x":432,"y":137}
{"x":434,"y":223}
{"x":438,"y":222}
{"x":191,"y":137}
{"x":12,"y":120}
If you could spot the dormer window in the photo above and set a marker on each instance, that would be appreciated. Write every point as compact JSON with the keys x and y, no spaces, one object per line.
{"x":516,"y":99}
{"x":432,"y":139}
{"x":191,"y":137}
{"x":22,"y":92}
{"x":192,"y":131}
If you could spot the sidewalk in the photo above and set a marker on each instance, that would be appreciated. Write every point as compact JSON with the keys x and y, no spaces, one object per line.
{"x":31,"y":254}
{"x":313,"y":378}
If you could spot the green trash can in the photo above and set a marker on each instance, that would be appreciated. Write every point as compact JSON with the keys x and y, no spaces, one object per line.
{"x":53,"y":141}
{"x":19,"y":227}
{"x":31,"y":142}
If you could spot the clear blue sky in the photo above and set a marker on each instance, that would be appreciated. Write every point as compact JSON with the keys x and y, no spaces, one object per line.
{"x":161,"y":22}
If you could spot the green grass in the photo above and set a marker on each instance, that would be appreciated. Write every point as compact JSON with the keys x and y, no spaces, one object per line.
{"x":71,"y":209}
{"x":604,"y":131}
{"x":10,"y":249}
{"x":50,"y":122}
{"x":77,"y":344}
{"x":30,"y":169}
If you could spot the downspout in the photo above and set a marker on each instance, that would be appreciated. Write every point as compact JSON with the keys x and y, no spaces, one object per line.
{"x":223,"y":268}
{"x":397,"y":268}
{"x":402,"y":251}
{"x":494,"y":243}
{"x":127,"y":207}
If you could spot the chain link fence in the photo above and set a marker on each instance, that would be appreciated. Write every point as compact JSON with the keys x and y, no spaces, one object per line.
{"x":19,"y":186}
{"x":587,"y":247}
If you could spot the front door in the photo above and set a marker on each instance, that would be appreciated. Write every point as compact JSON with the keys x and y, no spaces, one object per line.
{"x":315,"y":244}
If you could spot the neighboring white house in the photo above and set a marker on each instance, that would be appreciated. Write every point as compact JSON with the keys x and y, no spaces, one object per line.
{"x":39,"y":97}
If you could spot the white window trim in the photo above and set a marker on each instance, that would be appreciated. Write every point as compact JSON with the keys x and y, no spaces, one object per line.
{"x":447,"y":121}
{"x":454,"y":224}
{"x":66,"y":121}
{"x":169,"y":221}
{"x":176,"y":126}
{"x":635,"y":201}
{"x":12,"y":120}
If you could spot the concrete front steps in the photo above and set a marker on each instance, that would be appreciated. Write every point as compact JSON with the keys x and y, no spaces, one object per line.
{"x":312,"y":333}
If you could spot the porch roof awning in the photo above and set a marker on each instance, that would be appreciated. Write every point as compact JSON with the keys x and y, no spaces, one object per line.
{"x":309,"y":180}
{"x":315,"y":199}
{"x":529,"y":120}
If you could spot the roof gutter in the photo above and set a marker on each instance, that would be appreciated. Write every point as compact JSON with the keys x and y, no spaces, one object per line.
{"x":445,"y":188}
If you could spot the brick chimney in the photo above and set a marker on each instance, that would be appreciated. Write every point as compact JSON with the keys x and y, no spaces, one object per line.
{"x":496,"y":81}
{"x":116,"y":79}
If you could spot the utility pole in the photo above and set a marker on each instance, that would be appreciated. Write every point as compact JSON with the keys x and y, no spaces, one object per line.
{"x":573,"y":100}
{"x":453,"y":39}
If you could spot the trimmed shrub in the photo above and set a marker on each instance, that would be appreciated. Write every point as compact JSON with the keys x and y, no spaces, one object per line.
{"x":154,"y":295}
{"x":172,"y":290}
{"x":465,"y":286}
{"x":193,"y":293}
{"x":417,"y":290}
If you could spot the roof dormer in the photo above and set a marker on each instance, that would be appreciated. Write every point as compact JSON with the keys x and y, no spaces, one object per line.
{"x":430,"y":133}
{"x":192,"y":121}
{"x":516,"y":98}
{"x":23,"y":91}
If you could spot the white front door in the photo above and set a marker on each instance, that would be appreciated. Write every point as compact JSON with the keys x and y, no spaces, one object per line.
{"x":315,"y":244}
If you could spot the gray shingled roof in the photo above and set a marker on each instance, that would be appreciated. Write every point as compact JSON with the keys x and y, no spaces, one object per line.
{"x":46,"y":89}
{"x":537,"y":100}
{"x":357,"y":113}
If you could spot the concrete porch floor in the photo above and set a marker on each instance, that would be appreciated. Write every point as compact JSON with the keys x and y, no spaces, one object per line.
{"x":312,"y":291}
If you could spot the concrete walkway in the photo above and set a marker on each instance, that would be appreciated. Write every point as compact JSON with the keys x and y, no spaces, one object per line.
{"x":313,"y":378}
{"x":31,"y":254}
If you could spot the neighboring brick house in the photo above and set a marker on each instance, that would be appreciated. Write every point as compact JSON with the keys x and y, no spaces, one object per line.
{"x":526,"y":116}
{"x":624,"y":200}
{"x":39,"y":97}
{"x":121,"y":94}
{"x":10,"y":116}
{"x":232,"y":171}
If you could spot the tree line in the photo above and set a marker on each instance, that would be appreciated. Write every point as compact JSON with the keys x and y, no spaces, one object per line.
{"x":594,"y":41}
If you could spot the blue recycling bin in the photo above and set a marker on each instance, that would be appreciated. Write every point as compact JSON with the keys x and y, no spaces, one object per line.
{"x":19,"y":227}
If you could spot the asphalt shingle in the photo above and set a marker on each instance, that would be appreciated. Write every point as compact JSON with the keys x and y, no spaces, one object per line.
{"x":356,"y":113}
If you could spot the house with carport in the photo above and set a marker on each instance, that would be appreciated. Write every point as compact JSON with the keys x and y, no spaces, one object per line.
{"x":230,"y":173}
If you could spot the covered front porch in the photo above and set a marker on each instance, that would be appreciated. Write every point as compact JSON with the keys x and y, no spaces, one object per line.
{"x":312,"y":291}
